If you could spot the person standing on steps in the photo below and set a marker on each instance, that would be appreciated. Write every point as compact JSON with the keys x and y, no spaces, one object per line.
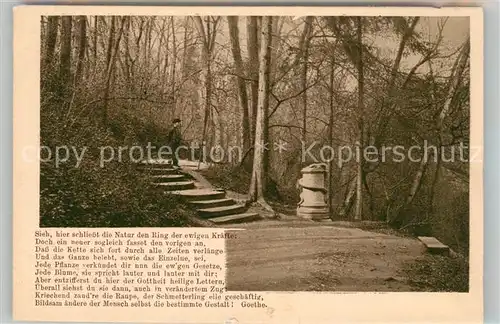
{"x":175,"y":140}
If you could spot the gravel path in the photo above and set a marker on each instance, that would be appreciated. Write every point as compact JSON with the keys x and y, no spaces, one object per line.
{"x":296,"y":255}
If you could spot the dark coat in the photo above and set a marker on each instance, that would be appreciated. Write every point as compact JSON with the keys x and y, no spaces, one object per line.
{"x":175,"y":137}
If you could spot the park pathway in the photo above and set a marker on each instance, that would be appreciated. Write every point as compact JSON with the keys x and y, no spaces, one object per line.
{"x":290,"y":254}
{"x":210,"y":203}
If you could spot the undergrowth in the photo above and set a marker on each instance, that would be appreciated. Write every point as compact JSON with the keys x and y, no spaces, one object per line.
{"x":437,"y":273}
{"x":234,"y":178}
{"x":116,"y":194}
{"x":237,"y":178}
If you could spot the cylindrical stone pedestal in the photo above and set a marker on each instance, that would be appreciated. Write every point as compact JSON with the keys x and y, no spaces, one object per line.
{"x":313,"y":198}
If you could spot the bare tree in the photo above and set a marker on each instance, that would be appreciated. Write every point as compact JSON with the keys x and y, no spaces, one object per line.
{"x":242,"y":90}
{"x":258,"y":181}
{"x":331,"y":135}
{"x":358,"y":214}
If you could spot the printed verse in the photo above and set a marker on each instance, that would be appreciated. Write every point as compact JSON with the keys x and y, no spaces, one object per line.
{"x":88,"y":268}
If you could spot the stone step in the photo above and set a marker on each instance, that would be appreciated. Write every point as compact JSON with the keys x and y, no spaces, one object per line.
{"x":155,"y":165}
{"x":434,"y":246}
{"x":169,"y":178}
{"x":237,"y":218}
{"x":212,"y":203}
{"x":171,"y":186}
{"x":160,"y":171}
{"x":221,"y":211}
{"x":199,"y":194}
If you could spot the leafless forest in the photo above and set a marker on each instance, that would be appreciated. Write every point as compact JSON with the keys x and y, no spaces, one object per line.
{"x":241,"y":81}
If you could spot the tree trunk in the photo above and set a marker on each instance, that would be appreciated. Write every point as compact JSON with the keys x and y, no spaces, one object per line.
{"x":348,"y":201}
{"x":370,"y":195}
{"x":208,"y":39}
{"x":159,"y":58}
{"x":65,"y":55}
{"x":102,"y":40}
{"x":184,"y":60}
{"x":109,"y":53}
{"x":113,"y":55}
{"x":94,"y":40}
{"x":82,"y":43}
{"x":51,"y":39}
{"x":402,"y":45}
{"x":253,"y":58}
{"x":417,"y":180}
{"x":185,"y":47}
{"x":305,"y":51}
{"x":304,"y":37}
{"x":147,"y":37}
{"x":435,"y":180}
{"x":358,"y":210}
{"x":242,"y":88}
{"x":455,"y":81}
{"x":330,"y":128}
{"x":167,"y":63}
{"x":126,"y":37}
{"x":43,"y":36}
{"x":268,"y":145}
{"x":358,"y":214}
{"x":174,"y":68}
{"x":276,"y":34}
{"x":111,"y":39}
{"x":258,"y":181}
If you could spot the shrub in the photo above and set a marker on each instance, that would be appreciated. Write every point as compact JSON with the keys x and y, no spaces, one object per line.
{"x":115,"y":196}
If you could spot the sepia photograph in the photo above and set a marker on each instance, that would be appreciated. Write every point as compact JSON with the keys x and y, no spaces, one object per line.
{"x":233,"y":164}
{"x":336,"y":147}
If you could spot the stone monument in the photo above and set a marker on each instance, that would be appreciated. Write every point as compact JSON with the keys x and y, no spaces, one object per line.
{"x":313,"y":197}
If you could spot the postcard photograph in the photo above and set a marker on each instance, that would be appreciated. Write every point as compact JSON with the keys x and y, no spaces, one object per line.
{"x":340,"y":144}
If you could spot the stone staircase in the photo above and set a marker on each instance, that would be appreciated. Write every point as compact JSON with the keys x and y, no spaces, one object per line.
{"x":210,"y":203}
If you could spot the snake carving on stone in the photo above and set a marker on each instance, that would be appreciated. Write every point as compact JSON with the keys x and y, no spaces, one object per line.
{"x":300,"y":183}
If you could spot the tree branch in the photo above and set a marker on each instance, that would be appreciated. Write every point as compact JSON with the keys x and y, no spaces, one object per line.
{"x":280,"y":101}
